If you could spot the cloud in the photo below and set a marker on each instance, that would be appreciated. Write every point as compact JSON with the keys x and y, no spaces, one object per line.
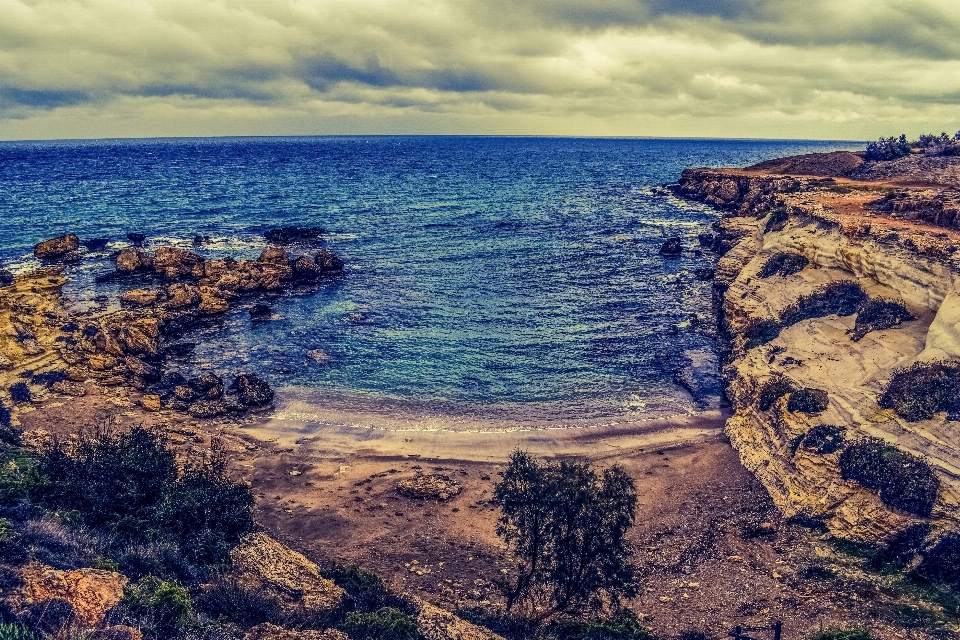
{"x":802,"y":68}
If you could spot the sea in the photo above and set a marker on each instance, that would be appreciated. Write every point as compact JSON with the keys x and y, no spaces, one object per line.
{"x":506,"y":281}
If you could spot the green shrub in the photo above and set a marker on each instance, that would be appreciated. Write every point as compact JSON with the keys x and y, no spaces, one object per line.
{"x":901,"y":547}
{"x":20,"y":393}
{"x":16,"y":632}
{"x":879,"y":314}
{"x":842,"y":634}
{"x":823,"y":438}
{"x":921,"y":390}
{"x":784,"y":264}
{"x":902,"y":480}
{"x":161,"y":606}
{"x":772,"y":390}
{"x":225,"y":599}
{"x":384,"y":624}
{"x":942,"y":563}
{"x":841,"y":297}
{"x":624,"y":626}
{"x":114,"y":480}
{"x":887,"y":148}
{"x":778,"y":220}
{"x":808,"y":400}
{"x":206,"y":512}
{"x":366,"y":591}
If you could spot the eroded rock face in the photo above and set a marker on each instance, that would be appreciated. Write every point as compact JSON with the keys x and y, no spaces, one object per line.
{"x":56,"y":247}
{"x":262,"y":564}
{"x":91,"y":592}
{"x":840,"y":241}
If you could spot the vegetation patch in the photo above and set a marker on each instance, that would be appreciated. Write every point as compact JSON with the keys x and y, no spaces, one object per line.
{"x":784,"y":264}
{"x":760,"y":331}
{"x":942,"y":562}
{"x":878,"y":314}
{"x":384,"y":624}
{"x":566,"y":528}
{"x":918,"y":392}
{"x":842,"y":634}
{"x":774,"y":389}
{"x":824,"y":439}
{"x":929,"y":144}
{"x":842,"y":298}
{"x":902,"y":480}
{"x":777,"y":220}
{"x":808,"y":400}
{"x":900,"y":549}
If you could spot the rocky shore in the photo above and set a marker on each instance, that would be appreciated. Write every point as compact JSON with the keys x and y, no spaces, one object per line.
{"x":837,"y":287}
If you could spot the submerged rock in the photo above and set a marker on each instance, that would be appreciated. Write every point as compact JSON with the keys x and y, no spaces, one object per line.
{"x":671,"y":247}
{"x":328,"y":261}
{"x":136,"y":238}
{"x":96,"y":244}
{"x":285,"y":235}
{"x":56,"y":247}
{"x":260,"y":312}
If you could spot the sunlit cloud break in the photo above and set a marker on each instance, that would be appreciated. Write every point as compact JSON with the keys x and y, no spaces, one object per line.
{"x":742,"y":68}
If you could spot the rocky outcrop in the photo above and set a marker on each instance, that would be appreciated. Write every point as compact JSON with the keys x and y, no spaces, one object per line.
{"x":841,"y":237}
{"x":434,"y":623}
{"x":91,"y":592}
{"x":267,"y":631}
{"x":57,"y":247}
{"x":263,"y":565}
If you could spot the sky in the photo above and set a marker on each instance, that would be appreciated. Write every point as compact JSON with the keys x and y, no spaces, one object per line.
{"x":815,"y":69}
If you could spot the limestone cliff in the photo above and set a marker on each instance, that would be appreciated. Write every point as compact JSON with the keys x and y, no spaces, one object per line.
{"x":833,"y":229}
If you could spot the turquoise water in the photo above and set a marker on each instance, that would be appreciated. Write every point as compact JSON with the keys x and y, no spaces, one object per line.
{"x":483,"y":274}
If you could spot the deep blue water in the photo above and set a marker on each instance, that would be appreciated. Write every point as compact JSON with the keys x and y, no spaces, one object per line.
{"x":481,"y":272}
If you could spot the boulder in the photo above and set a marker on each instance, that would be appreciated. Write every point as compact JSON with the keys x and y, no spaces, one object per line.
{"x":205,"y":409}
{"x":150,"y":402}
{"x":305,"y":269}
{"x":284,"y":235}
{"x":141,"y":369}
{"x":141,"y":336}
{"x":141,"y":297}
{"x":208,"y":386}
{"x":184,"y":393}
{"x":182,"y":295}
{"x":252,"y":391}
{"x":69,"y":388}
{"x":57,"y":247}
{"x":259,"y":312}
{"x":136,"y":238}
{"x":431,"y":486}
{"x":267,"y":631}
{"x":263,"y":565}
{"x":436,"y":624}
{"x":212,"y":301}
{"x":274,"y":255}
{"x":5,"y":277}
{"x":177,"y":263}
{"x":96,"y":244}
{"x":132,"y":260}
{"x":671,"y":247}
{"x":91,"y":592}
{"x":328,"y":261}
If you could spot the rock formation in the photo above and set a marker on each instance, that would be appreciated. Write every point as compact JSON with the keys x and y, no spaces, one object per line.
{"x":800,"y":361}
{"x":91,"y":592}
{"x":57,"y":247}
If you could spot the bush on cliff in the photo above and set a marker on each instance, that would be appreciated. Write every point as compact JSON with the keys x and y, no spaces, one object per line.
{"x":759,"y":331}
{"x":919,"y":391}
{"x":842,"y":298}
{"x":774,"y":389}
{"x":902,"y":480}
{"x":878,"y":314}
{"x":824,"y":439}
{"x":785,"y":264}
{"x":941,"y":564}
{"x":888,"y":148}
{"x":778,"y":220}
{"x":566,"y":527}
{"x":808,"y":400}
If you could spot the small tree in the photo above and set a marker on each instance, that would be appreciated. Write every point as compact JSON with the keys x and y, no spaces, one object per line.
{"x":566,"y":526}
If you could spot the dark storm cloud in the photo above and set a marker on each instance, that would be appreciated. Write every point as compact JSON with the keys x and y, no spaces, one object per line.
{"x":619,"y":66}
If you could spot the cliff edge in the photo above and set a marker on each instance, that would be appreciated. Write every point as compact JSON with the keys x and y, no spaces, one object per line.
{"x":839,"y":302}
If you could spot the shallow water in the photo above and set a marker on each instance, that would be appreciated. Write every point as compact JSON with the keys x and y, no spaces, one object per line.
{"x":505,"y":277}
